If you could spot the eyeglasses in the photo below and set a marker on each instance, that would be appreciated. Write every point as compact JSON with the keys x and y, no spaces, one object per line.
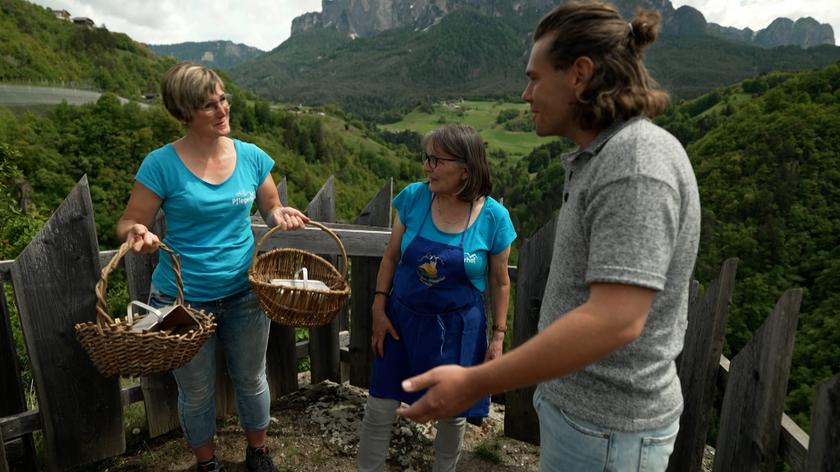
{"x":435,"y":160}
{"x":211,"y":105}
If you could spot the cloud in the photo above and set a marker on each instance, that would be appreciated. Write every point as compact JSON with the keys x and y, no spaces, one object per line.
{"x":259,"y":23}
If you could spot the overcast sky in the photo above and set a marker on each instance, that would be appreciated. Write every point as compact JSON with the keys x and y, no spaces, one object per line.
{"x":267,"y":23}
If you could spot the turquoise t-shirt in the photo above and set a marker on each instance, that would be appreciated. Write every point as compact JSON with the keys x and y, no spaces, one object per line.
{"x":490,"y":233}
{"x":207,"y":225}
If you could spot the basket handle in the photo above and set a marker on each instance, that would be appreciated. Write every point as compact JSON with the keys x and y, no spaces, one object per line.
{"x":102,"y":318}
{"x":271,"y":231}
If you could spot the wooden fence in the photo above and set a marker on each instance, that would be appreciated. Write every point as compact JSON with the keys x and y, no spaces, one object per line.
{"x":80,"y":413}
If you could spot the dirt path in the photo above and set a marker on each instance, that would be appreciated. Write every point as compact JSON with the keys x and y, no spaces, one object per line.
{"x":316,"y":429}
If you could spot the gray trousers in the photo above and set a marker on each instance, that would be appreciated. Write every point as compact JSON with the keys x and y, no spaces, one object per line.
{"x":375,"y":437}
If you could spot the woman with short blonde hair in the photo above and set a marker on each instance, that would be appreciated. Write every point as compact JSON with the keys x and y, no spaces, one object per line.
{"x":207,"y":183}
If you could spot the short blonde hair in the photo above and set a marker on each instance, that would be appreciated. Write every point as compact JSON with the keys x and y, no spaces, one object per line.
{"x":185,"y":88}
{"x":465,"y":144}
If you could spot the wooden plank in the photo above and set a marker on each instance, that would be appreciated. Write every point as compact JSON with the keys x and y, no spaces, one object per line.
{"x":357,"y":240}
{"x":281,"y":364}
{"x":824,"y":453}
{"x":302,"y":347}
{"x":535,"y":256}
{"x":754,"y":400}
{"x":4,"y":466}
{"x":698,"y":366}
{"x":14,"y":456}
{"x":793,"y":445}
{"x":12,"y":397}
{"x":793,"y":441}
{"x":6,"y":271}
{"x":15,"y":426}
{"x":365,"y":269}
{"x":323,"y":340}
{"x":132,"y":394}
{"x":54,"y":279}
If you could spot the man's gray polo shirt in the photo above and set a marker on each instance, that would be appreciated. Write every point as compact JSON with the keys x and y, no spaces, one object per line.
{"x":631,"y":215}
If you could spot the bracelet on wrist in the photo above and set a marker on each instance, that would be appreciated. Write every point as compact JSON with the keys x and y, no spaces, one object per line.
{"x":500,"y":329}
{"x":381,"y":292}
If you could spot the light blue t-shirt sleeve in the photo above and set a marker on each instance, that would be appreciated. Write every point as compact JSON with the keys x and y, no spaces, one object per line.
{"x":262,"y":161}
{"x":152,"y":174}
{"x":505,"y":233}
{"x":411,"y":204}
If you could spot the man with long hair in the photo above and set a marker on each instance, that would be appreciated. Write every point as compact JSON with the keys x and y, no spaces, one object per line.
{"x":614,"y":312}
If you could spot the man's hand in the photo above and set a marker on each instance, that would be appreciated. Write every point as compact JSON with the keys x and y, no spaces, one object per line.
{"x":450,"y":392}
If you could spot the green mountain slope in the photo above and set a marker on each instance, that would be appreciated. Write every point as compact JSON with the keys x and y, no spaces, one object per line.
{"x":215,"y":54}
{"x":470,"y":55}
{"x":466,"y":55}
{"x":770,"y":188}
{"x":35,"y":46}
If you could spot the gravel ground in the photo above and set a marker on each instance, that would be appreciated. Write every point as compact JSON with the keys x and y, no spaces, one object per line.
{"x":316,"y":429}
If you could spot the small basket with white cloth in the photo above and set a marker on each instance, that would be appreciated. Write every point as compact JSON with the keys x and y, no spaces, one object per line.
{"x":298,"y":288}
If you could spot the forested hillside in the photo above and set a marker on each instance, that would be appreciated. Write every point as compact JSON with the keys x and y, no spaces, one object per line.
{"x":216,"y":54}
{"x":767,"y":157}
{"x":36,"y":46}
{"x":107,"y":141}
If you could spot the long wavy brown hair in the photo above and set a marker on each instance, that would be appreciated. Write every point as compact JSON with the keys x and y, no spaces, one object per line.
{"x":620,"y":86}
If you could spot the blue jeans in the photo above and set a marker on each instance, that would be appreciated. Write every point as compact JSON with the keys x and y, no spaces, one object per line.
{"x":571,"y":444}
{"x":242,"y":328}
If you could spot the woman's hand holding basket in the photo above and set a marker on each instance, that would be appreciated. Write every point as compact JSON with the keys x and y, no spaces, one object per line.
{"x":141,"y":239}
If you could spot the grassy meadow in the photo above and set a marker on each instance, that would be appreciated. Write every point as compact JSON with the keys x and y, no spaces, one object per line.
{"x":481,"y":115}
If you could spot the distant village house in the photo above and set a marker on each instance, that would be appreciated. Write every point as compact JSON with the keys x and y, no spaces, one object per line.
{"x":83,"y":21}
{"x":61,"y":14}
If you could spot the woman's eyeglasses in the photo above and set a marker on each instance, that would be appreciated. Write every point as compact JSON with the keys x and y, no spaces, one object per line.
{"x":434,"y":160}
{"x":211,"y":105}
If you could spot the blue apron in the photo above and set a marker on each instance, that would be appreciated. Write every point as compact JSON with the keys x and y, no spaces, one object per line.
{"x":439,"y":315}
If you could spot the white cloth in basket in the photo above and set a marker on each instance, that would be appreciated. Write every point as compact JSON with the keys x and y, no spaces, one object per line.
{"x":301,"y":282}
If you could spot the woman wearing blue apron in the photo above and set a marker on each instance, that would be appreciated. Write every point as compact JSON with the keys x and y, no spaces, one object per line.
{"x":449,"y":242}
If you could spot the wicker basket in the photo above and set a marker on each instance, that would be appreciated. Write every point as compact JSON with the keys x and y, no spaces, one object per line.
{"x":298,"y":306}
{"x":117,"y":351}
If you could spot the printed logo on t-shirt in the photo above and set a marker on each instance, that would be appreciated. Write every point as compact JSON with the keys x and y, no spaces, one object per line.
{"x":244,"y":197}
{"x":470,"y":258}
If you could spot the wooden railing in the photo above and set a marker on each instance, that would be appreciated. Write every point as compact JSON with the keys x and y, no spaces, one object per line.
{"x":80,"y":413}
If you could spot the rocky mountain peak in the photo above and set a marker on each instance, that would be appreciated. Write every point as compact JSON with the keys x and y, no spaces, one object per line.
{"x":365,"y":18}
{"x":804,"y":32}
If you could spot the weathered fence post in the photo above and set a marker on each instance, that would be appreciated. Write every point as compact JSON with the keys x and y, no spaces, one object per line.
{"x":160,"y":393}
{"x":54,"y":279}
{"x":521,"y":420}
{"x":324,"y":353}
{"x":824,"y":448}
{"x":753,"y":404}
{"x":4,"y":466}
{"x":365,"y":269}
{"x":12,"y":397}
{"x":698,"y":366}
{"x":281,"y":363}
